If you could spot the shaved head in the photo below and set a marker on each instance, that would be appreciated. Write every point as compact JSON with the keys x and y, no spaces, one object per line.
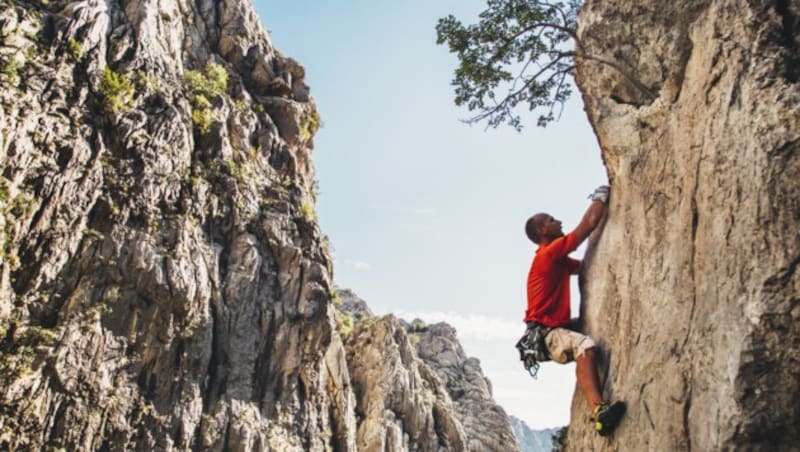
{"x":533,"y":224}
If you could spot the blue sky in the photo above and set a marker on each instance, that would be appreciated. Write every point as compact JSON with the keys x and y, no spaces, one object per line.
{"x":425,"y":213}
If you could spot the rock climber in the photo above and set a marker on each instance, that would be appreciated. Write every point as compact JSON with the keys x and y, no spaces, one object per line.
{"x":549,"y":303}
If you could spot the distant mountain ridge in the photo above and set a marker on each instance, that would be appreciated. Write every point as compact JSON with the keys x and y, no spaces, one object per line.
{"x":532,"y":440}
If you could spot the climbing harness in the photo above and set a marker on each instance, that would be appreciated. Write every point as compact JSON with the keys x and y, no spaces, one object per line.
{"x":532,"y":347}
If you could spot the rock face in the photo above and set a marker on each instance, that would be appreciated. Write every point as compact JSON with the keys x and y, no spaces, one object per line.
{"x":532,"y":440}
{"x":163,"y":281}
{"x":415,"y":388}
{"x":485,"y":423}
{"x":693,"y":288}
{"x":400,"y":403}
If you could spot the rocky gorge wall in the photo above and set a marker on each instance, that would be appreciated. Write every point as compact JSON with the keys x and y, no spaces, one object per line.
{"x":693,"y":288}
{"x":417,"y":375}
{"x":164,"y":284}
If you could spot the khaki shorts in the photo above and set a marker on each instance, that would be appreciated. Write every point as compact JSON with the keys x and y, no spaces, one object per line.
{"x":565,"y":345}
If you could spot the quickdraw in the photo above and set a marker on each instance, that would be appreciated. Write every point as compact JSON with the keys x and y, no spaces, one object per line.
{"x":532,"y":347}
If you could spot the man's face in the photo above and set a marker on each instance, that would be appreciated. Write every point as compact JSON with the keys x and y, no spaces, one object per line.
{"x":550,"y":227}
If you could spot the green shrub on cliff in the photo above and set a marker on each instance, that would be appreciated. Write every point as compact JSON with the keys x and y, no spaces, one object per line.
{"x":307,"y":209}
{"x":205,"y":87}
{"x":117,"y":91}
{"x":75,"y":50}
{"x":212,"y":82}
{"x":345,"y":325}
{"x":9,"y":70}
{"x":203,"y":118}
{"x":309,"y":125}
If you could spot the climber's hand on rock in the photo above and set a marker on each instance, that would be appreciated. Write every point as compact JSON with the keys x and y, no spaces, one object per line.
{"x":601,"y":194}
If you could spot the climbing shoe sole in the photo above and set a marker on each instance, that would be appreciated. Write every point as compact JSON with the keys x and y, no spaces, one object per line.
{"x":608,"y":417}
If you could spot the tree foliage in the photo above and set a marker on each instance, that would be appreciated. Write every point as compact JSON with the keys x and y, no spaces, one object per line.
{"x":524,"y":48}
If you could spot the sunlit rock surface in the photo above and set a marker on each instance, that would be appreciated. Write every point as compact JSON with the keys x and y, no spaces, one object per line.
{"x":692,"y":288}
{"x":163,"y":281}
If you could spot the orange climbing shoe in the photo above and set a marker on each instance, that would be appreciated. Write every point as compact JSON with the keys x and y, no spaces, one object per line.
{"x":607,"y":417}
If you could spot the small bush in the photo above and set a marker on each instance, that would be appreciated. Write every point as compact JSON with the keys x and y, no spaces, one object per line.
{"x":308,"y":211}
{"x":335,"y":298}
{"x":75,"y":50}
{"x":21,"y":205}
{"x":3,"y":191}
{"x":9,"y":69}
{"x":203,"y":118}
{"x":147,"y":81}
{"x":36,"y":335}
{"x":345,"y":325}
{"x":418,"y":326}
{"x":117,"y":91}
{"x":204,"y":87}
{"x":213,"y":83}
{"x":309,"y":125}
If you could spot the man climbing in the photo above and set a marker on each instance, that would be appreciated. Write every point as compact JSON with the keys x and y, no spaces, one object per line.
{"x":549,"y":303}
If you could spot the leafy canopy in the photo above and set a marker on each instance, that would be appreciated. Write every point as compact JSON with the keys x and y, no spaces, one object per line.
{"x":521,"y":48}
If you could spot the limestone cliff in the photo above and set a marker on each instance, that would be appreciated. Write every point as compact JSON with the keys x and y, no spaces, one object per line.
{"x":486,"y":424}
{"x":533,"y":440}
{"x":415,"y":388}
{"x":163,"y":281}
{"x":693,"y":288}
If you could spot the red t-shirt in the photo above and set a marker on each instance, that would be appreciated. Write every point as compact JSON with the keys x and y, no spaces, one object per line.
{"x":548,"y":282}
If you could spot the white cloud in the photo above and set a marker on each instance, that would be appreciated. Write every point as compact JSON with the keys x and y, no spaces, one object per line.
{"x":471,"y":326}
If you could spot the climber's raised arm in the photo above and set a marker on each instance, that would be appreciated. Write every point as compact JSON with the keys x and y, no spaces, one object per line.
{"x":593,"y":215}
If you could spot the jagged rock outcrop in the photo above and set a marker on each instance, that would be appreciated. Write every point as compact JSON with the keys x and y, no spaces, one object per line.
{"x":415,"y":388}
{"x":693,"y":287}
{"x":353,"y":305}
{"x":485,"y":423}
{"x":532,"y":440}
{"x":400,"y":404}
{"x":164,"y":282}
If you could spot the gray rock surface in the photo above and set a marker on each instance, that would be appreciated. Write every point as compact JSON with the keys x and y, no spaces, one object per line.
{"x":692,"y":287}
{"x":486,"y":424}
{"x":164,"y":283}
{"x":400,"y":403}
{"x":355,"y":306}
{"x":532,"y":440}
{"x":415,"y":388}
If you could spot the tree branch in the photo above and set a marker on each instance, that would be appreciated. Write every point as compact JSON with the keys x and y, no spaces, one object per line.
{"x":613,"y":64}
{"x":487,"y":113}
{"x":510,"y":40}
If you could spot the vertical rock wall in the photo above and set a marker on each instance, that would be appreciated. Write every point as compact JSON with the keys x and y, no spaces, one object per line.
{"x":692,"y":288}
{"x":164,"y":282}
{"x":486,"y":424}
{"x":415,"y":388}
